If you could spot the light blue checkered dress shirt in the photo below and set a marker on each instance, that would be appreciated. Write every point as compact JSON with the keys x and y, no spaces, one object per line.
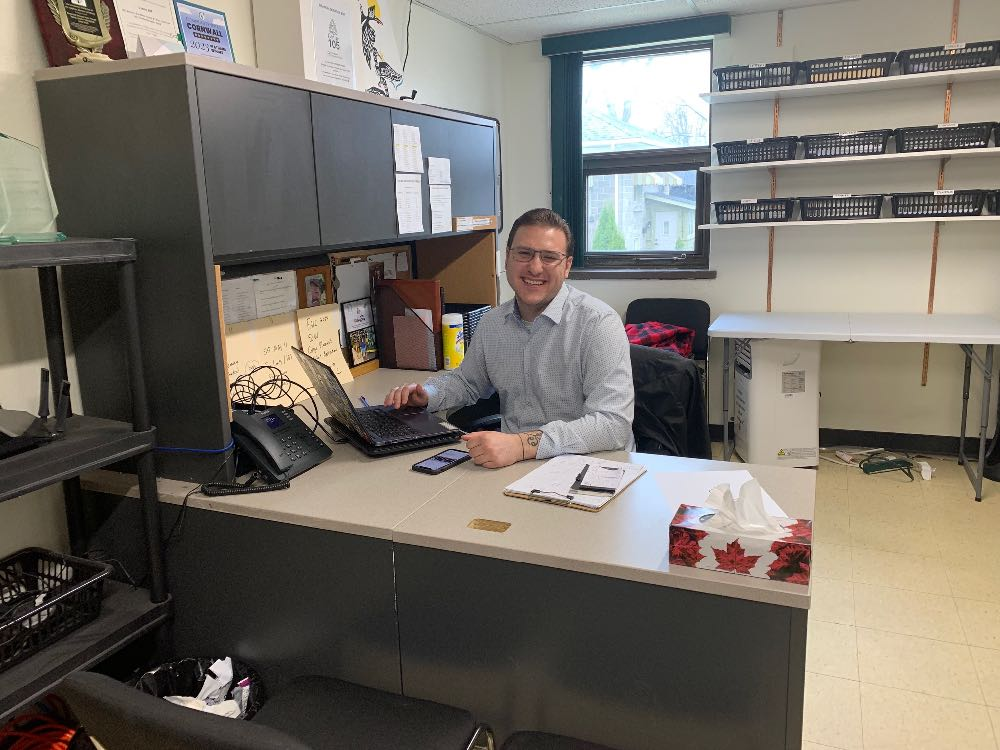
{"x":568,"y":373}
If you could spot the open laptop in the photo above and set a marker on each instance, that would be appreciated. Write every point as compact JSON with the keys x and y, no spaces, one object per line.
{"x":374,"y":430}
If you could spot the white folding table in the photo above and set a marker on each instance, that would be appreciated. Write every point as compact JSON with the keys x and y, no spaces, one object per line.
{"x":964,"y":330}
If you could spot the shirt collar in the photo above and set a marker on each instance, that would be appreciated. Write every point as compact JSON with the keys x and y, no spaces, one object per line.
{"x":553,"y":311}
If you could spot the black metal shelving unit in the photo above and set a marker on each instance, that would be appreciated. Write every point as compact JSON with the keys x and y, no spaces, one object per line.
{"x":89,"y":443}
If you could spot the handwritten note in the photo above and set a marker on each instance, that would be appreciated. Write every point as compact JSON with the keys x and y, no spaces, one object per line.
{"x":265,"y":341}
{"x":319,"y":330}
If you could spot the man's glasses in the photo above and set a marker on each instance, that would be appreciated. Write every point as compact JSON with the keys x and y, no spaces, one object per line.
{"x":526,"y":255}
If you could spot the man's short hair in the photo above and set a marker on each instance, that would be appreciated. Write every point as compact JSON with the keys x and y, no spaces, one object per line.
{"x":542,"y":217}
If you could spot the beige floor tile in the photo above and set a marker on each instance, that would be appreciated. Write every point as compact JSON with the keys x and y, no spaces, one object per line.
{"x":831,"y":561}
{"x":907,"y":613}
{"x":912,"y":536}
{"x":987,"y":662}
{"x":832,"y":650}
{"x":890,"y":483}
{"x":902,"y":720}
{"x":831,"y":478}
{"x":899,"y":571}
{"x":969,"y":580}
{"x":981,"y":622}
{"x":995,"y":717}
{"x":913,"y":507}
{"x":816,"y":746}
{"x":918,"y":664}
{"x":831,"y":520}
{"x":832,"y":601}
{"x":832,"y":712}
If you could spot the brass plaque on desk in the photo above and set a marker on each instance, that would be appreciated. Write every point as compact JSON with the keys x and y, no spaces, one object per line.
{"x":485,"y":524}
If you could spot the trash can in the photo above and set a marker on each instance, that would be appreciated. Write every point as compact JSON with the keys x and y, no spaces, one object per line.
{"x":186,"y":677}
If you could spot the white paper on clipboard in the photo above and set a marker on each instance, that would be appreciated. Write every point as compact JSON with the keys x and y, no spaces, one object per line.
{"x":353,"y":281}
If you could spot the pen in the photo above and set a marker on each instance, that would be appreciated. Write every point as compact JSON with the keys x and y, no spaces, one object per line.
{"x":580,"y":476}
{"x":364,"y":401}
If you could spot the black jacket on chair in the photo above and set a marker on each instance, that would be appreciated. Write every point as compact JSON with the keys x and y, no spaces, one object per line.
{"x":670,"y":416}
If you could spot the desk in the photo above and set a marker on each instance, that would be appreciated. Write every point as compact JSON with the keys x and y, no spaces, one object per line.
{"x":964,"y":330}
{"x":569,"y":621}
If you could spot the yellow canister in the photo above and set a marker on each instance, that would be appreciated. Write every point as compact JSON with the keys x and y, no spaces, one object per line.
{"x":453,"y":340}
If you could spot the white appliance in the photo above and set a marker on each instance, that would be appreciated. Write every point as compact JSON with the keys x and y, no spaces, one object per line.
{"x":777,"y":402}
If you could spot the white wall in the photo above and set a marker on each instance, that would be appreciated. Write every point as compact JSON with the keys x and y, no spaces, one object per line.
{"x":879,"y":268}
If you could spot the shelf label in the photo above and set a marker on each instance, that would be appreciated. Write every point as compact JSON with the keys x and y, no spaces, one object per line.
{"x":848,"y":132}
{"x":757,"y":66}
{"x":944,"y":192}
{"x":755,"y":140}
{"x":948,"y":125}
{"x":843,"y":195}
{"x":848,"y":58}
{"x":954,"y":46}
{"x":747,"y":201}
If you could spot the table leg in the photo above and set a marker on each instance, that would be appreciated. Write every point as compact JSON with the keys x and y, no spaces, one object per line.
{"x":965,"y":405}
{"x":984,"y":421}
{"x":726,"y":354}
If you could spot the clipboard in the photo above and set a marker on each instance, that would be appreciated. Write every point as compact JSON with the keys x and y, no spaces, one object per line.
{"x":558,"y":482}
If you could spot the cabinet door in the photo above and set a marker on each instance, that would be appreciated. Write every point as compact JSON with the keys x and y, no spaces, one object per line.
{"x":260,"y":175}
{"x":354,"y":170}
{"x":470,"y":148}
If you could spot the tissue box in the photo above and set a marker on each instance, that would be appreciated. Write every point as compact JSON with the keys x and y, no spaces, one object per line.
{"x":784,"y":556}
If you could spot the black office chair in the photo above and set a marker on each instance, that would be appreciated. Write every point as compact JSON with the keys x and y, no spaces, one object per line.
{"x":689,"y":313}
{"x":545,"y":741}
{"x":312,"y":713}
{"x":482,"y":415}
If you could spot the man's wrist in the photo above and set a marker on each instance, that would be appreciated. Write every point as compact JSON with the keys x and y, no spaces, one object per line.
{"x":529,"y":443}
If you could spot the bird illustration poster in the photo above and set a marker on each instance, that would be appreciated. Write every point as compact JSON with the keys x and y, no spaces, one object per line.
{"x":333,"y":31}
{"x":380,"y":51}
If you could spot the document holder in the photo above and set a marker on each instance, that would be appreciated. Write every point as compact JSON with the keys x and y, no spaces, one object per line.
{"x":405,"y":339}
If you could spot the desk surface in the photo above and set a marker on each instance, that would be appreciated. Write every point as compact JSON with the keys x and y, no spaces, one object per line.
{"x":382,"y":498}
{"x":871,"y":327}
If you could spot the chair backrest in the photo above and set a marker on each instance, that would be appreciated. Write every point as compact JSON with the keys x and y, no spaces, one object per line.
{"x":123,"y":718}
{"x":690,"y":313}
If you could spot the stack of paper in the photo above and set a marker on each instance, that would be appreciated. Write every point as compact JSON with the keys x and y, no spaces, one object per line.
{"x":563,"y":481}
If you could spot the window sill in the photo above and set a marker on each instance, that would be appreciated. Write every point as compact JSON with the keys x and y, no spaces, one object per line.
{"x":631,"y":274}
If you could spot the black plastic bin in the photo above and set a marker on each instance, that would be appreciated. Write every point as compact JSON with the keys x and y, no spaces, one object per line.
{"x":848,"y":68}
{"x":758,"y":76}
{"x":471,"y":315}
{"x":938,"y":203}
{"x":43,"y":596}
{"x":186,"y":676}
{"x":993,"y":201}
{"x":854,"y":143}
{"x":754,"y":210}
{"x":949,"y":57}
{"x":944,"y":137}
{"x":831,"y":207}
{"x":756,"y":150}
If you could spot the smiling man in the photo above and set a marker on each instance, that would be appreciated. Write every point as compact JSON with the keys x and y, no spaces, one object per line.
{"x":558,"y":358}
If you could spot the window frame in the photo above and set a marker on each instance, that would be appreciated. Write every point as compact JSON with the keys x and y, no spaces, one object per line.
{"x":684,"y":158}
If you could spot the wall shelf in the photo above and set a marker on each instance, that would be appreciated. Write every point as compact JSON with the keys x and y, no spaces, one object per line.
{"x":854,"y":87}
{"x":842,"y":160}
{"x":856,"y":222}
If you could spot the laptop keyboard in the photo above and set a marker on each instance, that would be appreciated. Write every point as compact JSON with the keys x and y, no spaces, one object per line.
{"x":381,"y":424}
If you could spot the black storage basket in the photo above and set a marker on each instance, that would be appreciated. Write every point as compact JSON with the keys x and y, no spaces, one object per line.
{"x":71,"y":587}
{"x":938,"y":203}
{"x":944,"y":137}
{"x":829,"y":207}
{"x":471,"y":314}
{"x":856,"y":143}
{"x":754,"y":211}
{"x":849,"y":68}
{"x":760,"y":76}
{"x":993,"y":199}
{"x":752,"y":151}
{"x":948,"y":57}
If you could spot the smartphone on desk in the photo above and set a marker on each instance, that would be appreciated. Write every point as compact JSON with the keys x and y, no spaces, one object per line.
{"x":441,"y":461}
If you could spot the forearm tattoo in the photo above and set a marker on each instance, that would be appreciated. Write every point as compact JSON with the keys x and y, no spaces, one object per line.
{"x":534,"y":438}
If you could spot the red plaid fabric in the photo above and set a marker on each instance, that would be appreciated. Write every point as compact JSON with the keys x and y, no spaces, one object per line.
{"x":661,"y":336}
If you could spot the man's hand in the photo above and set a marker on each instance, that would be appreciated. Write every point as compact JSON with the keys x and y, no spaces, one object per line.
{"x":412,"y":394}
{"x":494,"y":449}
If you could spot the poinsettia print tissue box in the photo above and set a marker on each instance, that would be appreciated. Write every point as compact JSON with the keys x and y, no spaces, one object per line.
{"x":784,"y":556}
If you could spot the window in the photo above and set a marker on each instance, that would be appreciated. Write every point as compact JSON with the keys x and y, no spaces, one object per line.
{"x":644,"y":134}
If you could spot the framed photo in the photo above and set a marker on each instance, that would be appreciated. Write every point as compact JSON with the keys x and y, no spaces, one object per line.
{"x":359,"y":324}
{"x":314,"y":286}
{"x":204,"y":31}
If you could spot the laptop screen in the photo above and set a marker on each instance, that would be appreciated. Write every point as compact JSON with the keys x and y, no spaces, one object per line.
{"x":331,"y":393}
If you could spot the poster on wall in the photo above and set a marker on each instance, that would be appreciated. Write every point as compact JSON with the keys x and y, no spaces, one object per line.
{"x":381,"y":74}
{"x":204,"y":31}
{"x":151,"y":19}
{"x":333,"y":45}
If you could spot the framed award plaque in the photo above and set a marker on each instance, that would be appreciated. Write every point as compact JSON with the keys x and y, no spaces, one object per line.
{"x":79,"y":31}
